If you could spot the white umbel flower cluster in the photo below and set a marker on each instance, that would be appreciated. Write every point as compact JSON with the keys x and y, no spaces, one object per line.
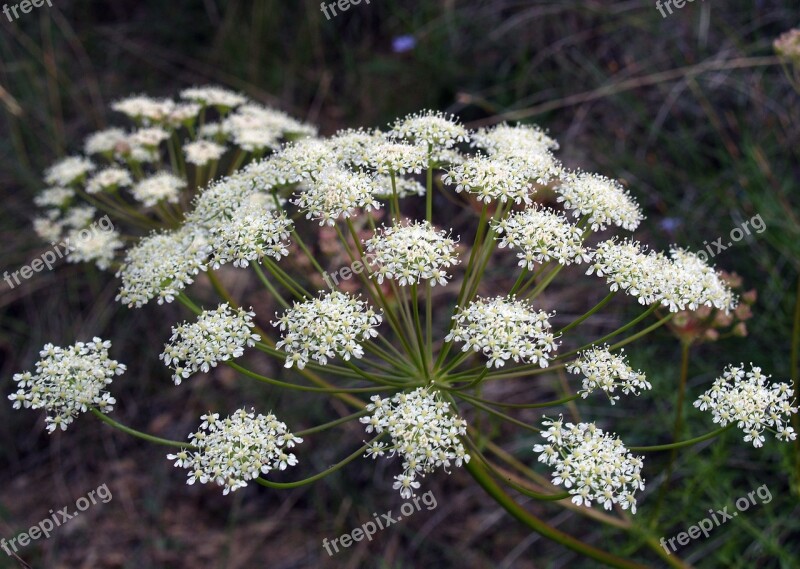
{"x":217,"y":336}
{"x":541,"y":235}
{"x":527,"y":148}
{"x":682,"y":282}
{"x":411,"y":253}
{"x":201,"y":152}
{"x":603,"y":370}
{"x":54,"y":197}
{"x":325,"y":327}
{"x":68,"y":171}
{"x":161,"y":265}
{"x":423,"y":432}
{"x":337,"y":193}
{"x":745,"y":398}
{"x":110,"y":178}
{"x":430,"y":128}
{"x":162,"y":186}
{"x":401,"y":158}
{"x":604,"y":201}
{"x":213,"y":96}
{"x":144,"y":109}
{"x":252,"y":233}
{"x":504,"y":329}
{"x":490,"y":180}
{"x":95,"y":246}
{"x":104,"y":141}
{"x":68,"y":382}
{"x":232,"y":451}
{"x":591,"y":465}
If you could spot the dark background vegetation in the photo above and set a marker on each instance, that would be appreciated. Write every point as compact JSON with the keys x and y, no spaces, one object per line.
{"x":692,"y":112}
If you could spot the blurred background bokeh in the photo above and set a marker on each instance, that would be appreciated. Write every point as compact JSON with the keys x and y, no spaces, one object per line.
{"x":692,"y":112}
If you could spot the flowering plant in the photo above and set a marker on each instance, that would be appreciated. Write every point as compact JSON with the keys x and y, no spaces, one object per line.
{"x":427,"y":367}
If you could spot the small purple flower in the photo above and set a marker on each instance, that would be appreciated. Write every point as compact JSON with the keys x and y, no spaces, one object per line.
{"x":402,"y":44}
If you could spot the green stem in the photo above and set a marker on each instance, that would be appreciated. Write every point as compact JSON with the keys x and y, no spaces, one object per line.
{"x":686,"y":443}
{"x":157,"y":440}
{"x":286,"y":385}
{"x":594,"y":310}
{"x":331,"y":424}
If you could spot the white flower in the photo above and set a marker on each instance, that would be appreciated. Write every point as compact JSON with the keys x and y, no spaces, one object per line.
{"x":591,"y":464}
{"x":237,"y":449}
{"x":504,"y":329}
{"x":67,"y":171}
{"x":430,"y":128}
{"x":48,"y":229}
{"x":387,"y":157}
{"x":161,"y":186}
{"x":541,"y":235}
{"x":335,"y":193}
{"x":94,"y":245}
{"x":296,"y":161}
{"x":104,"y":141}
{"x":528,"y":148}
{"x":161,"y":265}
{"x":747,"y":399}
{"x":214,"y":96}
{"x":217,"y":336}
{"x":603,"y":370}
{"x":202,"y":152}
{"x":325,"y":327}
{"x":144,"y":109}
{"x":411,"y":253}
{"x":78,"y":217}
{"x":423,"y":431}
{"x":54,"y":197}
{"x":255,"y":128}
{"x":112,"y":177}
{"x":603,"y":200}
{"x":149,"y":137}
{"x":405,"y":187}
{"x":252,"y":232}
{"x":697,"y":282}
{"x":490,"y":180}
{"x":183,"y":114}
{"x":352,"y":146}
{"x":68,"y":381}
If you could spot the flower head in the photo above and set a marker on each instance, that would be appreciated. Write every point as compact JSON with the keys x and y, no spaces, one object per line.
{"x":423,"y":431}
{"x":541,"y":235}
{"x":252,"y":233}
{"x":104,"y":141}
{"x":608,"y":372}
{"x":527,"y":148}
{"x":490,"y":180}
{"x":161,"y":265}
{"x":217,"y":336}
{"x":232,"y":451}
{"x":398,"y":157}
{"x":591,"y":464}
{"x":603,"y":200}
{"x":322,"y":328}
{"x":213,"y":96}
{"x":94,"y":246}
{"x":68,"y":381}
{"x":747,"y":399}
{"x":201,"y":152}
{"x":411,"y":253}
{"x":334,"y":193}
{"x":504,"y":329}
{"x":110,"y":178}
{"x":54,"y":197}
{"x":430,"y":128}
{"x":68,"y":171}
{"x":162,"y":186}
{"x":145,"y":109}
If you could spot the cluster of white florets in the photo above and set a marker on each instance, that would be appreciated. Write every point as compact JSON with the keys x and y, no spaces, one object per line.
{"x":54,"y":197}
{"x":232,"y":451}
{"x":295,"y":162}
{"x":253,"y":232}
{"x":201,"y":152}
{"x":398,"y":157}
{"x":110,"y":178}
{"x":504,"y":329}
{"x":591,"y":464}
{"x":94,"y":246}
{"x":351,"y":146}
{"x":423,"y":431}
{"x":411,"y":253}
{"x":161,"y":265}
{"x":490,"y":180}
{"x":217,"y":336}
{"x":337,"y":193}
{"x":682,"y":282}
{"x":322,"y":328}
{"x":68,"y":382}
{"x":160,"y":187}
{"x":527,"y":148}
{"x":603,"y":201}
{"x":541,"y":235}
{"x":149,"y":137}
{"x":145,"y":110}
{"x":214,"y":96}
{"x":747,"y":399}
{"x":255,"y":128}
{"x":430,"y":128}
{"x":104,"y":142}
{"x":68,"y":171}
{"x":603,"y":370}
